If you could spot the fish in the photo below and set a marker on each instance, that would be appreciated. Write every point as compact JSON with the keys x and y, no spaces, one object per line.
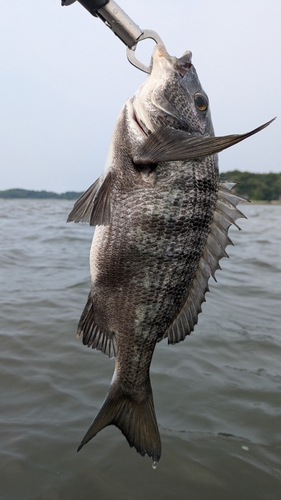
{"x":162,"y":216}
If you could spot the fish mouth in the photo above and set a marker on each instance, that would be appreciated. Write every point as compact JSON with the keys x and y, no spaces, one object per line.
{"x":183,"y":64}
{"x":160,"y":51}
{"x":162,"y":59}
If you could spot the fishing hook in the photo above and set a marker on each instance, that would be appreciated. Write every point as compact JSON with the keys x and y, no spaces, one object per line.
{"x":122,"y":25}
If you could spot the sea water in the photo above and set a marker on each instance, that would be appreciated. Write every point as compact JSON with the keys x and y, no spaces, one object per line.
{"x":217,"y":394}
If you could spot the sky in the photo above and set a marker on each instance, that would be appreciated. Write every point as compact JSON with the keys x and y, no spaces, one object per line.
{"x":64,"y":78}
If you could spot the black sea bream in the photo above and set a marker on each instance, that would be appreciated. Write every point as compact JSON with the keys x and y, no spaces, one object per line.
{"x":162,"y":218}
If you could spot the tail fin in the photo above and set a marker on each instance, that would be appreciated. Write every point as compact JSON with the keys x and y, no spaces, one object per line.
{"x":134,"y":417}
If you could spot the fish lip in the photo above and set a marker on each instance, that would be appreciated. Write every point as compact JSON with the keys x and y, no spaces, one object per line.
{"x":160,"y":51}
{"x":161,"y":59}
{"x":183,"y":64}
{"x":182,"y":70}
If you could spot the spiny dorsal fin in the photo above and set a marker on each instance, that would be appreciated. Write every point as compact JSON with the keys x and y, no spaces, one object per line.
{"x":225,"y":214}
{"x":94,"y":206}
{"x":93,"y":335}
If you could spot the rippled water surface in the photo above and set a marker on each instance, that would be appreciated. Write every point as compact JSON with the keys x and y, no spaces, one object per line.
{"x":217,"y":394}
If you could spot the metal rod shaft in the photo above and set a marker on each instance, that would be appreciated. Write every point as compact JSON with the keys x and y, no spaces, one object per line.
{"x":120,"y":23}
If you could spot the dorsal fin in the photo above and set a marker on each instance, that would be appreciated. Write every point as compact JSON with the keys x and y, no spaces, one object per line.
{"x":94,"y":206}
{"x":225,"y":214}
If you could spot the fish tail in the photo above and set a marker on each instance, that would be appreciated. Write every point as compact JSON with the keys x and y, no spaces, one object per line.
{"x":134,"y":416}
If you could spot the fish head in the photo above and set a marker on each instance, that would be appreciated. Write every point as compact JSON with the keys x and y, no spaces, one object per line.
{"x":172,"y":95}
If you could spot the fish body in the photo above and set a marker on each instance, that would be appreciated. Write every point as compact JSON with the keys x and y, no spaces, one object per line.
{"x":162,"y":217}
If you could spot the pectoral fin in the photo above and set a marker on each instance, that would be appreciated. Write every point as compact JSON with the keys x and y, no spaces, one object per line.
{"x":94,"y":206}
{"x":169,"y":144}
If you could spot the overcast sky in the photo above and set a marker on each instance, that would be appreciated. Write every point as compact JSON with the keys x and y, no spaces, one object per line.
{"x":64,"y":77}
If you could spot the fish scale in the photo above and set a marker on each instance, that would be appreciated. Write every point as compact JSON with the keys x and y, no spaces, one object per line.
{"x":162,"y":218}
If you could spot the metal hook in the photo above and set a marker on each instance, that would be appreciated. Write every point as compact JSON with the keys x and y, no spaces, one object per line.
{"x":131,"y":50}
{"x":122,"y":25}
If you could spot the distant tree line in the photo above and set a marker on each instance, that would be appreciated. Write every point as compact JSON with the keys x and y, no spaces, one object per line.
{"x":263,"y":187}
{"x":24,"y":193}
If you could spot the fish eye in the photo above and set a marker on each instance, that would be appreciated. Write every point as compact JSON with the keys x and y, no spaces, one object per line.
{"x":201,"y":101}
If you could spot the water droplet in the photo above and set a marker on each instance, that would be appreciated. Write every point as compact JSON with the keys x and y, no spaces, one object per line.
{"x":154,"y":465}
